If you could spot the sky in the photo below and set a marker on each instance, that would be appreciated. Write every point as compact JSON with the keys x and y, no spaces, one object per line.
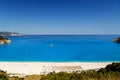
{"x":60,"y":16}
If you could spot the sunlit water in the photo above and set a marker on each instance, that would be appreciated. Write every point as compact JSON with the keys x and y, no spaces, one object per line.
{"x":82,"y":48}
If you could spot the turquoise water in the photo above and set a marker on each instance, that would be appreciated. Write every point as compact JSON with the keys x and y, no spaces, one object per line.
{"x":61,"y":48}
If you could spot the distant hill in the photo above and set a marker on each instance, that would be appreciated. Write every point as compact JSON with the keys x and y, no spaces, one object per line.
{"x":9,"y":34}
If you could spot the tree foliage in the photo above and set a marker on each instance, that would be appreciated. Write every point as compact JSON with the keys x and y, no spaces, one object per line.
{"x":3,"y":76}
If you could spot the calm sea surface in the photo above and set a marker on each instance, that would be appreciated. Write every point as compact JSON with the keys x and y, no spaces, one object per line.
{"x":44,"y":48}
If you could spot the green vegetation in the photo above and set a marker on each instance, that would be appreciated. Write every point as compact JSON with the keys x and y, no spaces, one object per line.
{"x":3,"y":38}
{"x":110,"y":72}
{"x":3,"y":75}
{"x":88,"y":75}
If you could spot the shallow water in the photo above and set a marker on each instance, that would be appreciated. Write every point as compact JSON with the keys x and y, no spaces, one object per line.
{"x":61,"y":48}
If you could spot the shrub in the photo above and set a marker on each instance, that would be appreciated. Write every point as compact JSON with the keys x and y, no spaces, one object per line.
{"x":3,"y":77}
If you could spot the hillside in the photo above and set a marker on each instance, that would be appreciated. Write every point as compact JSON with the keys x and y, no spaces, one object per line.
{"x":9,"y":34}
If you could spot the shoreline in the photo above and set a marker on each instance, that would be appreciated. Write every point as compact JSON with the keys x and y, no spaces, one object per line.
{"x":38,"y":68}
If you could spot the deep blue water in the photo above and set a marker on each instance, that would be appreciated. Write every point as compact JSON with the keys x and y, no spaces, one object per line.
{"x":56,"y":48}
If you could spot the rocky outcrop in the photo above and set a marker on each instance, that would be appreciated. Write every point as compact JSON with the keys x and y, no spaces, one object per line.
{"x":1,"y":42}
{"x":117,"y":40}
{"x":4,"y":40}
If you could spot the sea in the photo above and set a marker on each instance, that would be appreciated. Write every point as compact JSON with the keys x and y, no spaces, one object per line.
{"x":61,"y":48}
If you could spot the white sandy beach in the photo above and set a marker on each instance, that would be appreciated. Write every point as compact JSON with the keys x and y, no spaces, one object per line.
{"x":29,"y":68}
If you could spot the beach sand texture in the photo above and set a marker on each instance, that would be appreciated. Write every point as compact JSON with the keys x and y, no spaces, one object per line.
{"x":29,"y":68}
